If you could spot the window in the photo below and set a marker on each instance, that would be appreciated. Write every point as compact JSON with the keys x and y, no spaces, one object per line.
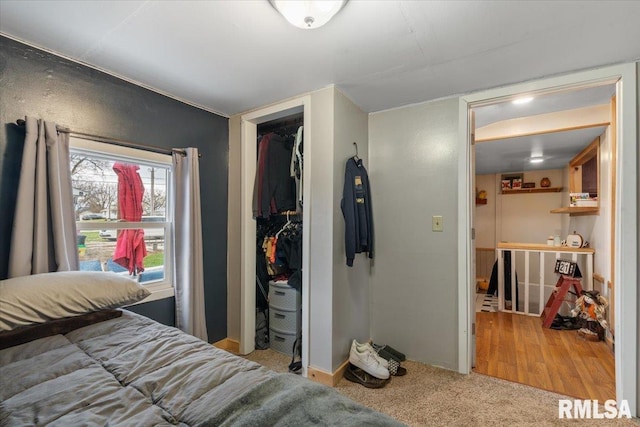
{"x":124,"y":212}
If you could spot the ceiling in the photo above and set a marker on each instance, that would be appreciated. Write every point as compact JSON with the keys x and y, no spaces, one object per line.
{"x":232,"y":56}
{"x":557,"y":149}
{"x":513,"y":154}
{"x":549,"y":103}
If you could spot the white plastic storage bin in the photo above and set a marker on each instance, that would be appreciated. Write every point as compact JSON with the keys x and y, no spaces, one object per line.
{"x":282,"y":342}
{"x":285,"y":321}
{"x":283,"y":297}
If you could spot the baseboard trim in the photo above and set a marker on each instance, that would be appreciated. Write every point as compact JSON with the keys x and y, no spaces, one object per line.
{"x":229,"y":345}
{"x":610,"y":343}
{"x":327,"y":378}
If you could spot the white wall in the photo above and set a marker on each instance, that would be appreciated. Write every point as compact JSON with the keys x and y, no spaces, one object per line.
{"x":351,"y":293}
{"x":485,"y":215}
{"x":320,"y":205}
{"x":339,"y":296}
{"x":234,"y":254}
{"x":413,"y":170}
{"x":521,"y":218}
{"x":525,"y":218}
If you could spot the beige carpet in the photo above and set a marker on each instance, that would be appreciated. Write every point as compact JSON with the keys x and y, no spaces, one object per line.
{"x":429,"y":396}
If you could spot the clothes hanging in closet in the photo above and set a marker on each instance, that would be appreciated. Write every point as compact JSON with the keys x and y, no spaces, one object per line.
{"x":295,"y":169}
{"x":356,"y":209}
{"x":279,"y":250}
{"x":274,"y":188}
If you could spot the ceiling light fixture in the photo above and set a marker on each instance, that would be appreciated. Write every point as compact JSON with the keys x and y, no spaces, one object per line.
{"x":536,"y":160}
{"x":308,"y":14}
{"x":523,"y":100}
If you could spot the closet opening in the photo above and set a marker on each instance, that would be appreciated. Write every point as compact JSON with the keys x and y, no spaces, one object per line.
{"x":274,"y":231}
{"x":278,"y":211}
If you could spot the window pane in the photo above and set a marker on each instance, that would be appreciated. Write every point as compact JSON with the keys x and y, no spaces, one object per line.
{"x":98,"y":195}
{"x":97,"y":254}
{"x":108,"y":191}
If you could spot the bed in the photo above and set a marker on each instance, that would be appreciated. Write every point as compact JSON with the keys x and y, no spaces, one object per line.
{"x":109,"y":366}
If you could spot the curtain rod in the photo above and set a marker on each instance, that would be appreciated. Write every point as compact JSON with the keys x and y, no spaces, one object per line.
{"x":114,"y":141}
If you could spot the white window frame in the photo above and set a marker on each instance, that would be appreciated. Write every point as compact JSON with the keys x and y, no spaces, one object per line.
{"x":159,"y":289}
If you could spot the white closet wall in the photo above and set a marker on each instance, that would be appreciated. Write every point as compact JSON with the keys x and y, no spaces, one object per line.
{"x":339,"y":299}
{"x":351,"y":285}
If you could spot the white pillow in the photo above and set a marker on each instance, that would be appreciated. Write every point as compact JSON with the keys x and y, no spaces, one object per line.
{"x":39,"y":298}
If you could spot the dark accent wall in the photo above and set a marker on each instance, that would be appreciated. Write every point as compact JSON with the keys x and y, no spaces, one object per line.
{"x":37,"y":83}
{"x":163,"y":311}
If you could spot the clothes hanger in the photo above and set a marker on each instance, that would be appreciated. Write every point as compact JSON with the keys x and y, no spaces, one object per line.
{"x":284,"y":226}
{"x":356,"y":158}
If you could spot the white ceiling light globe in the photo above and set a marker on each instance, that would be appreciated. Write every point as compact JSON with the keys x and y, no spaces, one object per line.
{"x":308,"y":14}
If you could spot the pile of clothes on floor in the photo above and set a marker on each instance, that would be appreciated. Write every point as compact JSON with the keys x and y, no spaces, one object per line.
{"x":372,"y":365}
{"x":588,"y":317}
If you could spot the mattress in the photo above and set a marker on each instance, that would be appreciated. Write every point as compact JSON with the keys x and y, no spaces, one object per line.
{"x":132,"y":371}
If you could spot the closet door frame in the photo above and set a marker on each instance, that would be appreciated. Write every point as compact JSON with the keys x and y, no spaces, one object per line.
{"x":626,"y":226}
{"x":248,"y":152}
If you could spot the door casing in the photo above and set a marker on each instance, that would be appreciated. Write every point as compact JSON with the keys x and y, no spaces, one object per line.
{"x":625,"y":271}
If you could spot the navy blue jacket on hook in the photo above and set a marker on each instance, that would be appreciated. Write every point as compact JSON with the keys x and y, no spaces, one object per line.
{"x":356,"y":209}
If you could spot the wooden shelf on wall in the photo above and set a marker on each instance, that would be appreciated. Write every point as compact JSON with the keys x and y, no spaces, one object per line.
{"x":481,"y":201}
{"x":533,"y":190}
{"x":577,"y":210}
{"x":542,"y":248}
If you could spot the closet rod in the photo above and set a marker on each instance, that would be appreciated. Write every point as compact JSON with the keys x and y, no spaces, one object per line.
{"x":289,"y":213}
{"x":114,"y":141}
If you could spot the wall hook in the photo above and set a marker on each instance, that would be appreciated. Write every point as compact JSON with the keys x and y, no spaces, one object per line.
{"x":356,"y":145}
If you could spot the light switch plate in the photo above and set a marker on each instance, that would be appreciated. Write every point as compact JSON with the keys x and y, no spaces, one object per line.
{"x":436,"y":223}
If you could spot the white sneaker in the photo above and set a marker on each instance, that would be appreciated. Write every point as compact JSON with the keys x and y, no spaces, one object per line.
{"x":366,"y":359}
{"x":366,"y":346}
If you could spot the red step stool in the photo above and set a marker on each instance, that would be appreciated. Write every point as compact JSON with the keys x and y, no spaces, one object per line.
{"x":557,"y":297}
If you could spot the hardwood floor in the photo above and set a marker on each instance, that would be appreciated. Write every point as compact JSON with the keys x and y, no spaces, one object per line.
{"x":517,"y":348}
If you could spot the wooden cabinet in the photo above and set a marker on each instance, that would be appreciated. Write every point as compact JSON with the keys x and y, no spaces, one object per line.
{"x":584,"y":177}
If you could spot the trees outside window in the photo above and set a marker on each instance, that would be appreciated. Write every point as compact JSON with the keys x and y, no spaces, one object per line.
{"x":102,"y":225}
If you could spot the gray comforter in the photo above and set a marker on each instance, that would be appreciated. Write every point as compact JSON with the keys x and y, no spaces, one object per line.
{"x":134,"y":371}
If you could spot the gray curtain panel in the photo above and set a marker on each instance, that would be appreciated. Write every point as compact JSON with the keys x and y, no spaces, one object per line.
{"x":44,"y":229}
{"x":188,"y":274}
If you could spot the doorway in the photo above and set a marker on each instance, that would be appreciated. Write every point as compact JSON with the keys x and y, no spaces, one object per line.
{"x":523,"y":151}
{"x":625,"y":247}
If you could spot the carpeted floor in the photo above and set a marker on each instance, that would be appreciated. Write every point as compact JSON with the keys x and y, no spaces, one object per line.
{"x":429,"y":396}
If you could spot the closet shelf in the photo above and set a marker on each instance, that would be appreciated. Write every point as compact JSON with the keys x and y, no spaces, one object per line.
{"x":534,"y":190}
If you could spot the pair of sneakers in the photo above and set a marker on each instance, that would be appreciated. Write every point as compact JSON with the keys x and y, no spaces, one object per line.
{"x":366,"y":358}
